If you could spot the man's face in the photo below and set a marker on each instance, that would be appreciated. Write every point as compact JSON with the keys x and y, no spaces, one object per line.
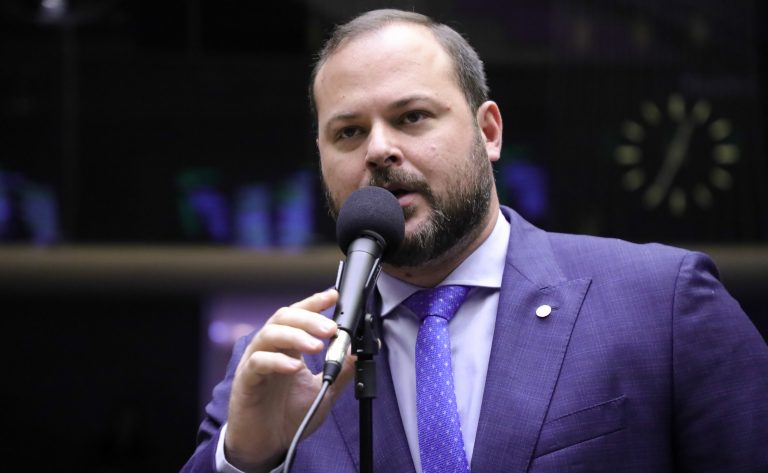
{"x":391,"y":114}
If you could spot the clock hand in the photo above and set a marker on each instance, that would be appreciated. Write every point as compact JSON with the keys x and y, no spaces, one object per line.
{"x":673,"y":160}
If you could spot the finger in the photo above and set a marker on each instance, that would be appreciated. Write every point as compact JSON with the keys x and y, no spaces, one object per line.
{"x":301,"y":315}
{"x":267,"y":362}
{"x":319,"y":301}
{"x":311,"y":322}
{"x":278,"y":337}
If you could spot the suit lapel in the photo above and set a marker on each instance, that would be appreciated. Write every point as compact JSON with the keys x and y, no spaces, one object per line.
{"x":527,"y":350}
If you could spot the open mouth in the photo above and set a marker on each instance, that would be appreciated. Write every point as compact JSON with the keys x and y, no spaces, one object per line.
{"x":403,"y":194}
{"x":398,"y":190}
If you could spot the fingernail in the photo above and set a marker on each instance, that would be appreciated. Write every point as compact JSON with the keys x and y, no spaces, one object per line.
{"x":328,"y":325}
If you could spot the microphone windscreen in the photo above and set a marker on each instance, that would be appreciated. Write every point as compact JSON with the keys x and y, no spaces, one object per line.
{"x":371,"y":209}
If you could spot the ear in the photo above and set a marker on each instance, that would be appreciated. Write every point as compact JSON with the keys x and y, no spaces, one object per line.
{"x":489,"y":122}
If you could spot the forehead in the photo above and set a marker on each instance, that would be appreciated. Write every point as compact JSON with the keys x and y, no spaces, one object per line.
{"x":399,"y":57}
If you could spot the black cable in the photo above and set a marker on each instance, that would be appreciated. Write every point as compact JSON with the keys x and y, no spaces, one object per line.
{"x":304,"y":423}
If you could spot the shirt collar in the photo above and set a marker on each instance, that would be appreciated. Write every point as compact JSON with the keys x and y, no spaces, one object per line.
{"x":483,"y":268}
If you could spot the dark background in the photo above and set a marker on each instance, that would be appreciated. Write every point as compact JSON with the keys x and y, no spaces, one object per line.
{"x":185,"y":124}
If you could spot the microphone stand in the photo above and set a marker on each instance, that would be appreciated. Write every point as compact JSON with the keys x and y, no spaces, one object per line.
{"x":366,"y":345}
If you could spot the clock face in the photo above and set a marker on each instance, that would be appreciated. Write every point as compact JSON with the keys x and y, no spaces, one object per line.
{"x":676,"y":154}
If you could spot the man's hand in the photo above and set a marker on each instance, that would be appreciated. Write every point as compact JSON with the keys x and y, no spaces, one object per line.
{"x":273,"y":388}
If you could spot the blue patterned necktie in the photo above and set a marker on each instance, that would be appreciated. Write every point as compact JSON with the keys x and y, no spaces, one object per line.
{"x":441,"y":444}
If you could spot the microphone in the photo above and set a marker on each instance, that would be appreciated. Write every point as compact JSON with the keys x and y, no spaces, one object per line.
{"x":370,"y":227}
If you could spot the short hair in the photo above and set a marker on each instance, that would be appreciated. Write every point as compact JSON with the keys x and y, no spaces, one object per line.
{"x":467,"y":66}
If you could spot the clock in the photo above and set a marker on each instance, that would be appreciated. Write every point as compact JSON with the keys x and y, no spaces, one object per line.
{"x":674,"y":156}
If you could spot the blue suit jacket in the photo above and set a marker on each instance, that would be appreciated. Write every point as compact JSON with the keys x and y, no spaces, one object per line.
{"x":646,"y":364}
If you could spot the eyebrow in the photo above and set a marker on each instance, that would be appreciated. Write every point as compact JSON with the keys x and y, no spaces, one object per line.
{"x":343,"y":117}
{"x":405,"y":101}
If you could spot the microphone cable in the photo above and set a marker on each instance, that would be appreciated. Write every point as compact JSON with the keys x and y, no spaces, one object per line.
{"x":304,"y":423}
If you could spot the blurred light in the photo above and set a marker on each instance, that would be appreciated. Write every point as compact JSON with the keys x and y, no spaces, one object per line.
{"x":52,"y":11}
{"x":295,"y":223}
{"x":253,"y":221}
{"x":264,"y":216}
{"x":527,"y":186}
{"x":28,"y":210}
{"x":40,"y":213}
{"x":5,"y":202}
{"x":218,"y":332}
{"x":226,"y":333}
{"x":55,"y":5}
{"x":211,"y":208}
{"x":203,"y":209}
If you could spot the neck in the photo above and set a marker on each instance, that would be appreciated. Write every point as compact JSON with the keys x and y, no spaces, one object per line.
{"x":435,"y":271}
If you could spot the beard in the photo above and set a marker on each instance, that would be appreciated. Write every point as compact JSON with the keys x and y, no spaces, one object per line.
{"x":453,"y":219}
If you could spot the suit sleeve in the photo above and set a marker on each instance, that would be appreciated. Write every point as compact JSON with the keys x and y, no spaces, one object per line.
{"x":204,"y":457}
{"x":720,"y":369}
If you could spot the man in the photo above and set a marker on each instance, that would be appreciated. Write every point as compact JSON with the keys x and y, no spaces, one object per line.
{"x":569,"y":353}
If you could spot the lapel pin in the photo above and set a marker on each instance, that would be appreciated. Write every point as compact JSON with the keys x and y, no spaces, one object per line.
{"x":543,"y":311}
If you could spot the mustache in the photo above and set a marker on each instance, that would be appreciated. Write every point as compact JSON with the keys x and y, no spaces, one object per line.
{"x":383,"y":177}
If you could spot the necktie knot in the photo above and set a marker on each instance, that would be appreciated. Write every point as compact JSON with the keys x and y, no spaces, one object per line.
{"x":441,"y":301}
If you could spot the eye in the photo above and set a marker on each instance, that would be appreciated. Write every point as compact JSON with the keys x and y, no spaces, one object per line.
{"x":348,"y":132}
{"x":412,"y":117}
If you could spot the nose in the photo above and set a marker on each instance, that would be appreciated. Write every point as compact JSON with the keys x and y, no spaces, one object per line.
{"x":383,"y":150}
